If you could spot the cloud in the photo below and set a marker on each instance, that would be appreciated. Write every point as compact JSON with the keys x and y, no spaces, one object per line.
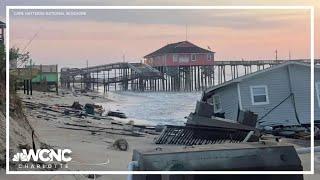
{"x":104,"y":36}
{"x":103,"y":42}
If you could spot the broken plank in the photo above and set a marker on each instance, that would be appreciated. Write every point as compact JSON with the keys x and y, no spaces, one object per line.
{"x":117,"y":133}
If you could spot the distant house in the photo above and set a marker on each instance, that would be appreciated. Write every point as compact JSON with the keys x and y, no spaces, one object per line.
{"x":47,"y":74}
{"x":279,"y":95}
{"x":43,"y":77}
{"x":180,"y":54}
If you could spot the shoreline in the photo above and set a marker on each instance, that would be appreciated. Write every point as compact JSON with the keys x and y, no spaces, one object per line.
{"x":88,"y":144}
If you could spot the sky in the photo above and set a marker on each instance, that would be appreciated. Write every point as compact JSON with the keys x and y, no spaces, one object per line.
{"x":105,"y":36}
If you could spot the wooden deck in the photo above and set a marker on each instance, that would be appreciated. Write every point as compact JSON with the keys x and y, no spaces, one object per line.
{"x":183,"y":78}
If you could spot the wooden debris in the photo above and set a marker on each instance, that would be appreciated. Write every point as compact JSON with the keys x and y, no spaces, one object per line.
{"x":117,"y":123}
{"x":101,"y":129}
{"x":121,"y":144}
{"x":117,"y":114}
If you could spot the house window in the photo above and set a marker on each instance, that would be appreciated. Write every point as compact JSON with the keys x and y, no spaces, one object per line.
{"x":318,"y":92}
{"x":193,"y":57}
{"x":259,"y":95}
{"x":216,"y":103}
{"x":184,"y":58}
{"x":175,"y":58}
{"x":209,"y":56}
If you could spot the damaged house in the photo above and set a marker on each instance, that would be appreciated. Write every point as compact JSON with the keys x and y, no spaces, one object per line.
{"x":279,"y":95}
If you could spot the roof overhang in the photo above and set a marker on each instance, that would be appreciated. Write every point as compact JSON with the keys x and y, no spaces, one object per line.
{"x":210,"y":91}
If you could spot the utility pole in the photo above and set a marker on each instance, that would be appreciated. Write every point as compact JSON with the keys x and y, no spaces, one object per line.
{"x":186,"y":32}
{"x":289,"y":55}
{"x":87,"y":65}
{"x":30,"y":78}
{"x":88,"y":78}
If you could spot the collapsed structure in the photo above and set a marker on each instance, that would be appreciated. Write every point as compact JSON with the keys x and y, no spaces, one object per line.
{"x":233,"y":113}
{"x":279,"y":95}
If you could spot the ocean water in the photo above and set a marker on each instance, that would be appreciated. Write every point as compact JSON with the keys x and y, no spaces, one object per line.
{"x":154,"y":108}
{"x":158,"y":107}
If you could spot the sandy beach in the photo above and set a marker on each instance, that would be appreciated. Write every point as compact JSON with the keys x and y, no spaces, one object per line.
{"x":91,"y":149}
{"x":87,"y":147}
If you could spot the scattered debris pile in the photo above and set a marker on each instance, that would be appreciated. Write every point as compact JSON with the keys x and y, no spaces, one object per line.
{"x":83,"y":116}
{"x":93,"y":109}
{"x":117,"y":114}
{"x":77,"y":105}
{"x":76,"y":110}
{"x":296,"y":132}
{"x":204,"y":128}
{"x":121,"y":144}
{"x":95,"y":129}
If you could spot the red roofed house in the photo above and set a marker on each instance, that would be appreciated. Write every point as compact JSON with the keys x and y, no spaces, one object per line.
{"x":180,"y":54}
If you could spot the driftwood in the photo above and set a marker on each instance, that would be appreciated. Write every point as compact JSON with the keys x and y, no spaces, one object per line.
{"x":144,"y":127}
{"x":117,"y":123}
{"x":99,"y":117}
{"x":152,"y":132}
{"x":109,"y":132}
{"x":117,"y":114}
{"x":51,"y":109}
{"x":32,"y":105}
{"x":63,"y":109}
{"x":99,"y":127}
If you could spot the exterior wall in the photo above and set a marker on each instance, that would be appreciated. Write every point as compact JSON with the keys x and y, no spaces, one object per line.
{"x":48,"y":73}
{"x":168,"y":60}
{"x":229,"y":101}
{"x":277,"y":82}
{"x":48,"y":77}
{"x":301,"y":88}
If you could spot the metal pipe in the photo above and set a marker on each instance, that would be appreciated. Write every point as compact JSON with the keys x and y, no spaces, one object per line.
{"x":131,"y":166}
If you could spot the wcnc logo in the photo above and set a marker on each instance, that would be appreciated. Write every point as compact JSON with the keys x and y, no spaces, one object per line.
{"x":43,"y":155}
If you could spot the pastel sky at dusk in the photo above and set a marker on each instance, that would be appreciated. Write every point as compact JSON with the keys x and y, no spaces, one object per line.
{"x":104,"y":36}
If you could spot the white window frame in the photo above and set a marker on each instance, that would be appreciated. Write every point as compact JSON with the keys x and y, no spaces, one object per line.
{"x":318,"y":92}
{"x":195,"y":57}
{"x":175,"y":58}
{"x":183,"y":58}
{"x":209,"y":57}
{"x":252,"y":95}
{"x":214,"y":104}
